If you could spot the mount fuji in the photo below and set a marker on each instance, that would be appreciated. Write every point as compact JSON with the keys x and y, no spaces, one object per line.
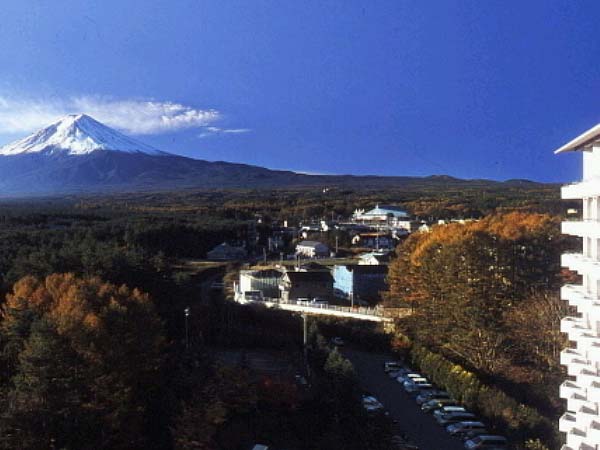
{"x":77,"y":135}
{"x":78,"y":154}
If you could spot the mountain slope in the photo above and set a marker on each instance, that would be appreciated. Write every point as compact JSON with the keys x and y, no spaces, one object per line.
{"x":78,"y":154}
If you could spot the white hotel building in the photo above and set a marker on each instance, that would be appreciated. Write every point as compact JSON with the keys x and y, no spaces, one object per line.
{"x":581,"y":422}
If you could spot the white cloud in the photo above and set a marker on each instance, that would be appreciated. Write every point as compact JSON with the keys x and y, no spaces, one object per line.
{"x":211,"y":131}
{"x":130,"y":116}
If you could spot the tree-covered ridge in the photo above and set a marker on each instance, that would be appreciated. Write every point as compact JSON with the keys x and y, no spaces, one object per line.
{"x":423,"y":201}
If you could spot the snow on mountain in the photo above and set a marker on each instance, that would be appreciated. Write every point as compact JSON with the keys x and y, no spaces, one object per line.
{"x":77,"y":134}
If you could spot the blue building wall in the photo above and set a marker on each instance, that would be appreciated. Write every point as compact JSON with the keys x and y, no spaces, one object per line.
{"x":364,"y":281}
{"x":343,"y":280}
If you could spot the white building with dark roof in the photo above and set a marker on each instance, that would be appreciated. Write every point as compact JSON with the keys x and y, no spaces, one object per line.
{"x":581,"y":422}
{"x":387,"y":216}
{"x":312,"y":249}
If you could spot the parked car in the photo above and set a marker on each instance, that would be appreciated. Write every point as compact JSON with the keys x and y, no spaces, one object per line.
{"x":413,"y":386}
{"x":301,"y":380}
{"x":423,"y":389}
{"x":486,"y":441}
{"x":415,"y":380}
{"x":430,"y":395}
{"x":437,"y":403}
{"x":449,"y":409}
{"x":473,"y":433}
{"x":337,"y":341}
{"x":316,"y":302}
{"x":392,"y":366}
{"x":371,"y":404}
{"x":461,"y":428}
{"x":407,"y":376}
{"x":453,"y":417}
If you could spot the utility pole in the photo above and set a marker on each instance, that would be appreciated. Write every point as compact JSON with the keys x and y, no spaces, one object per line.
{"x":336,"y":244}
{"x":305,"y":343}
{"x":187,"y":333}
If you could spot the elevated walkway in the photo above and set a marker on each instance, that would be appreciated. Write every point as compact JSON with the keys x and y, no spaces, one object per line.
{"x":357,"y":312}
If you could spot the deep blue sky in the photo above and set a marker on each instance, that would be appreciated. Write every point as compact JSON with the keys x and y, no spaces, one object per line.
{"x":476,"y":89}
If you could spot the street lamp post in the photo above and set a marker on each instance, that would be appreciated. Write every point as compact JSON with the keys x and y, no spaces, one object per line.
{"x":186,"y":311}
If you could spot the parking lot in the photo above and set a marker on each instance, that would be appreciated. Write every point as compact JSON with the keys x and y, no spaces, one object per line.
{"x":420,"y":427}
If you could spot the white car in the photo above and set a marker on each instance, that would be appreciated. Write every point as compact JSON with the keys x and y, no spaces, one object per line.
{"x":371,"y":404}
{"x":416,"y":385}
{"x":414,"y":380}
{"x":407,"y":376}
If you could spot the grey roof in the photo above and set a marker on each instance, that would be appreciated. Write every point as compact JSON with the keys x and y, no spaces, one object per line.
{"x":267,"y":273}
{"x":387,"y":209}
{"x":362,"y":268}
{"x":318,"y":276}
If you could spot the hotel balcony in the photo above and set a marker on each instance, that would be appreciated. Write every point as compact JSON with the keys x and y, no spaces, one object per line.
{"x":577,"y":401}
{"x":569,"y":388}
{"x":589,"y":343}
{"x":567,"y":422}
{"x":576,"y":191}
{"x":593,"y":431}
{"x":593,"y":392}
{"x":575,"y":327}
{"x":581,"y":264}
{"x":582,"y":228}
{"x":577,"y":438}
{"x":587,"y":376}
{"x":577,"y":366}
{"x":578,"y":297}
{"x":585,"y":416}
{"x":569,"y":354}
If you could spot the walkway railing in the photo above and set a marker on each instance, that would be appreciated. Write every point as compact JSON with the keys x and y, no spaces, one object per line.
{"x":376,"y":313}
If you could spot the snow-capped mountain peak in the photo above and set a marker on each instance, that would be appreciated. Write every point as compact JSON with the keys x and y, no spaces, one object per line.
{"x":77,"y":134}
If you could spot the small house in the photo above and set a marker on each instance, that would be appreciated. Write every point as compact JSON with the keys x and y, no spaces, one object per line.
{"x":374,"y":240}
{"x":312,"y":249}
{"x":264,"y":281}
{"x":226,"y":252}
{"x":374,"y":259}
{"x":306,"y":285}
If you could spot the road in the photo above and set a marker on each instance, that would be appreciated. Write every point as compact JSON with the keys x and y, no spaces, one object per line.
{"x":421,"y":428}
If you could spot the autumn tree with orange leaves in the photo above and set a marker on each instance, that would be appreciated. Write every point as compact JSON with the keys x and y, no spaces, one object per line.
{"x":79,"y":361}
{"x":465,"y":279}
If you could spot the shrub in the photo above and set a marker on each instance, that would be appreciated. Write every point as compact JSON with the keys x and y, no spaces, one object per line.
{"x":509,"y":416}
